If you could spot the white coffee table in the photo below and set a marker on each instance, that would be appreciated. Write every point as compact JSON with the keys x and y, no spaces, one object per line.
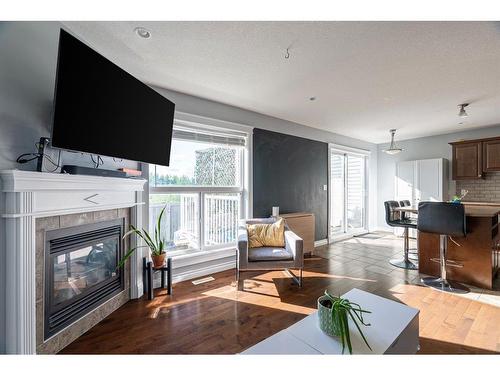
{"x":393,"y":330}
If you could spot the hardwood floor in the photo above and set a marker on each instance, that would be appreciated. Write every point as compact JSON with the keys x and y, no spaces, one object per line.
{"x":215,"y":318}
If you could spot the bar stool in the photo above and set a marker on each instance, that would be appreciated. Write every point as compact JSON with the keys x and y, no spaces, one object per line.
{"x":412,"y":252}
{"x":405,"y":203}
{"x":395,"y":219}
{"x":447,"y":220}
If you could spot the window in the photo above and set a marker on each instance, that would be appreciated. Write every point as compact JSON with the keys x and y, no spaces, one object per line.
{"x":179,"y":225}
{"x":202,"y":190}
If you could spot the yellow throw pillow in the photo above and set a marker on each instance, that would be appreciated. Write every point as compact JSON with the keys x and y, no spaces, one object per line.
{"x":272,"y":235}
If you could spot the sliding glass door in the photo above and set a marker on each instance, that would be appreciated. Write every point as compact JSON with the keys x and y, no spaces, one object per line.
{"x":355,"y":186}
{"x":337,"y":195}
{"x":347,"y":193}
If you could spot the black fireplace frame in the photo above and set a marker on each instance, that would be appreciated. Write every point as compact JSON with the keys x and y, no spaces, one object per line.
{"x":65,"y":240}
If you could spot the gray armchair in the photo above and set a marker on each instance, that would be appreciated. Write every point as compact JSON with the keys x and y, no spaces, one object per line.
{"x":268,"y":258}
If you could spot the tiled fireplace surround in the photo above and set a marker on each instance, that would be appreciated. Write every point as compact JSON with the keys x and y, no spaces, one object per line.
{"x":33,"y":203}
{"x":58,"y":341}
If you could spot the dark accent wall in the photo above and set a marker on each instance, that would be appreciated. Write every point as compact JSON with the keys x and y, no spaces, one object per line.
{"x":290,"y":172}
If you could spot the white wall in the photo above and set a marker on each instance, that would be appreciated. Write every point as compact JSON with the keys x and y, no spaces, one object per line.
{"x":415,"y":149}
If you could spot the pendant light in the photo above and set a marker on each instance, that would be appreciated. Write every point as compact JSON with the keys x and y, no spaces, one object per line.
{"x":393,"y":149}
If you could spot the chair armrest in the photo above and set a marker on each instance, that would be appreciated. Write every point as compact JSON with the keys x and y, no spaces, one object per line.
{"x":295,"y":245}
{"x":242,"y":251}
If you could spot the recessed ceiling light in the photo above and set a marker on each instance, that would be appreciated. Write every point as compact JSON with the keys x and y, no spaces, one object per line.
{"x":312,"y":98}
{"x":143,"y":32}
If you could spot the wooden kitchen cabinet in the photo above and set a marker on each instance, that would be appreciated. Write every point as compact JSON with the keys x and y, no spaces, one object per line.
{"x":491,"y":155}
{"x":467,"y":160}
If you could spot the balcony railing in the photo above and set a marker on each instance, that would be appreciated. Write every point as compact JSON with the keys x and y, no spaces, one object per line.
{"x":180,"y":222}
{"x":221,"y":218}
{"x":170,"y":223}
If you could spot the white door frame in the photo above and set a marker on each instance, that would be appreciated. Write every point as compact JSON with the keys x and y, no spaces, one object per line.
{"x":347,"y":151}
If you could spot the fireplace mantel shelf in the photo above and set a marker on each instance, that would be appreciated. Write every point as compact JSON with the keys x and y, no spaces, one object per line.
{"x":26,"y":196}
{"x":47,"y":194}
{"x":14,"y":180}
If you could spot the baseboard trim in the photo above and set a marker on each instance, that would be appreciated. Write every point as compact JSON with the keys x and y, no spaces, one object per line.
{"x":202,"y":271}
{"x":199,"y":257}
{"x":321,"y":242}
{"x":382,"y":229}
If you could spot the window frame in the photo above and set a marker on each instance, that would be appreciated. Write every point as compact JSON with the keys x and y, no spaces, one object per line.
{"x":194,"y":123}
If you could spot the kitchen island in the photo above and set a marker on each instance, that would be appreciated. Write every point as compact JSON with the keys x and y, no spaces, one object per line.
{"x":478,"y":252}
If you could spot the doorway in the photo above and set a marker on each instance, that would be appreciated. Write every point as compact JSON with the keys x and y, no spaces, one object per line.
{"x":348,"y":192}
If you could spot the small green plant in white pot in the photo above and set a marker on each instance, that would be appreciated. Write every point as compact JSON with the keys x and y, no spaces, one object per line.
{"x":155,"y":243}
{"x":334,"y":313}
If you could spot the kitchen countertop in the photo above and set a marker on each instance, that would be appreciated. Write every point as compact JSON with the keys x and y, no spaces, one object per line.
{"x":496,"y":204}
{"x":470,"y":210}
{"x":481,"y":211}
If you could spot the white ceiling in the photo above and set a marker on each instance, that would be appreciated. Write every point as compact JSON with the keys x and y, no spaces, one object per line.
{"x":367,"y":77}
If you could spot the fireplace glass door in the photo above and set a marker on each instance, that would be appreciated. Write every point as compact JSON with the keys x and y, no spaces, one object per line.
{"x":81,"y":271}
{"x":78,"y":270}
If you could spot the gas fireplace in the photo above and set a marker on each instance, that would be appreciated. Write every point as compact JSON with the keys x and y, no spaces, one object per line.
{"x":81,"y":271}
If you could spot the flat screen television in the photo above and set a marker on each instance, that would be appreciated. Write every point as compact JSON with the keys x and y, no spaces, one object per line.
{"x":101,"y":109}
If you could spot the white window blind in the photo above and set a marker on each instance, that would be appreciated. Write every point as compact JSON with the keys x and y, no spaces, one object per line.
{"x":208,"y":136}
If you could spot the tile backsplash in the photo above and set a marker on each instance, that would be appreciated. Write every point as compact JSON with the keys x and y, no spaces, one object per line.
{"x":484,"y":190}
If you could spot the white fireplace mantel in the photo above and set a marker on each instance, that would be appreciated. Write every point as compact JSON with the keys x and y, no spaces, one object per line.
{"x":30,"y":195}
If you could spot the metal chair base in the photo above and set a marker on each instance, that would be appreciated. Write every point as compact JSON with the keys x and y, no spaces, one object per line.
{"x":409,"y":261}
{"x":445,"y":285}
{"x":403,"y":263}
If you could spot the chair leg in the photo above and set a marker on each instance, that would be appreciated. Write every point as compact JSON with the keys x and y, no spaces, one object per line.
{"x":296,"y":280}
{"x":239,"y":281}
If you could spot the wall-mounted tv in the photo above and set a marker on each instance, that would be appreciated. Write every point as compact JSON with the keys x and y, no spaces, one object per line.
{"x":101,"y":109}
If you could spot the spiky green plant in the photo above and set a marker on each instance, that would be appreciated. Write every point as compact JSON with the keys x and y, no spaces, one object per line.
{"x":155,"y":244}
{"x":341,"y":308}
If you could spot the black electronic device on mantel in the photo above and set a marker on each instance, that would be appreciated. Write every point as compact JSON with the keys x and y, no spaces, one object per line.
{"x":76,"y":169}
{"x":101,"y":109}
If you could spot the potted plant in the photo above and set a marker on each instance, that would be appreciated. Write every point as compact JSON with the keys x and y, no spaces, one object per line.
{"x":155,"y":243}
{"x":458,"y":199}
{"x":334,"y":312}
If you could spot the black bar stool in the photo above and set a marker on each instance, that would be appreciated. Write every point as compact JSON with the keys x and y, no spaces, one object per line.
{"x":405,"y":203}
{"x":394,"y":218}
{"x":447,"y":220}
{"x":412,"y":252}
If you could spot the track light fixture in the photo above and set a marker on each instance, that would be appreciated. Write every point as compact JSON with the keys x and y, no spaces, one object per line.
{"x":462,"y":112}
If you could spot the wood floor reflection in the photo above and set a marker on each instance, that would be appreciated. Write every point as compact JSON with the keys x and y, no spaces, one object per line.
{"x":215,"y":318}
